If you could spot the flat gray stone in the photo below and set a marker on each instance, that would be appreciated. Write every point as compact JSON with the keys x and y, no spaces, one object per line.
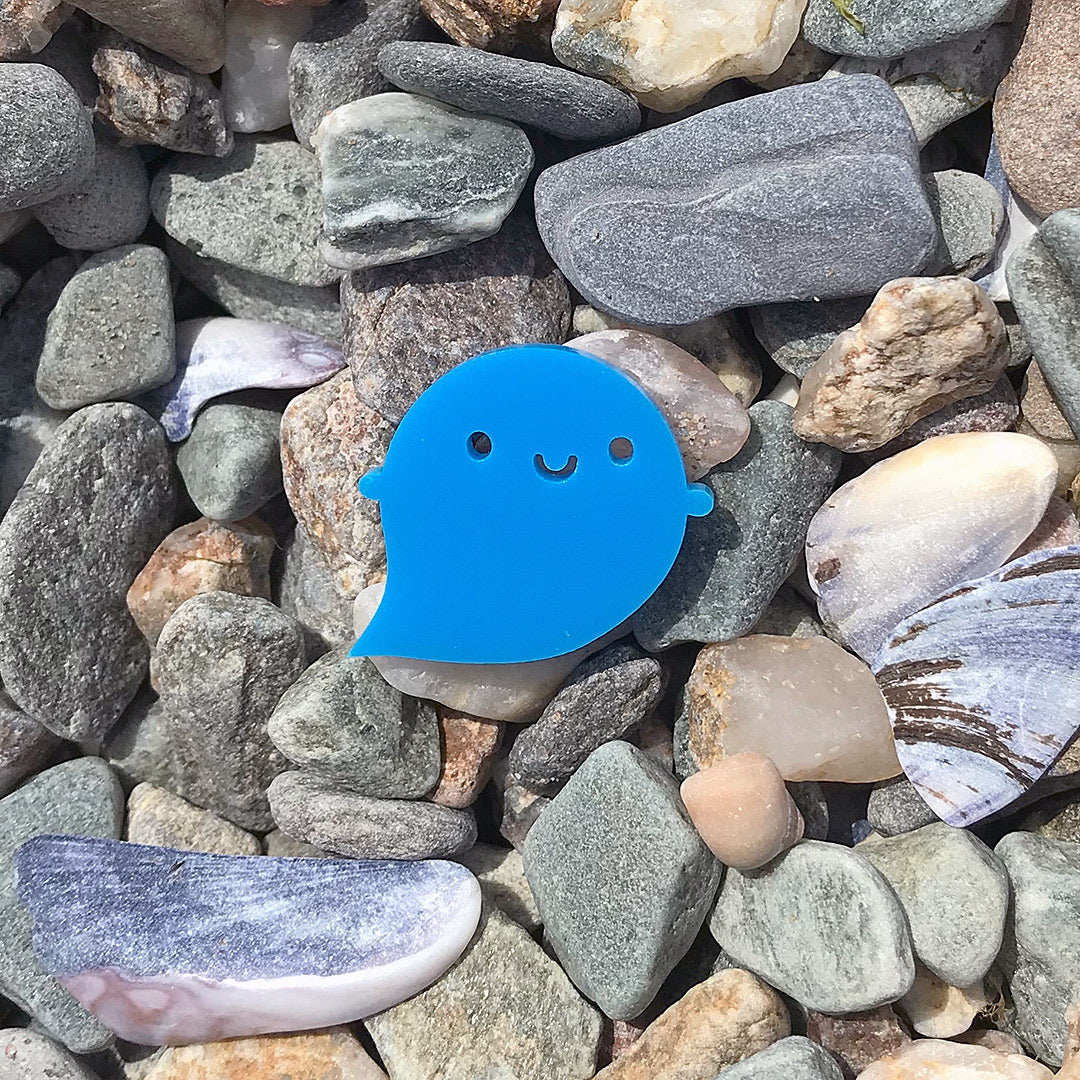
{"x":622,"y":880}
{"x":80,"y":797}
{"x":551,"y":98}
{"x":970,"y":217}
{"x":821,"y":924}
{"x":29,"y":1055}
{"x":333,"y":818}
{"x":955,"y":893}
{"x":97,"y":502}
{"x":811,"y":191}
{"x":112,"y":335}
{"x":896,"y":807}
{"x":343,"y":721}
{"x":793,"y":1058}
{"x":796,"y":334}
{"x":734,"y":560}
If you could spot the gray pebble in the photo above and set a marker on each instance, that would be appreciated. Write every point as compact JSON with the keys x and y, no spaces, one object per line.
{"x":140,"y":748}
{"x":796,"y":334}
{"x":310,"y":592}
{"x":813,"y":804}
{"x":521,"y":807}
{"x":9,"y":285}
{"x":820,"y":924}
{"x":333,"y":818}
{"x":112,"y":334}
{"x":896,"y":807}
{"x":25,"y":745}
{"x":29,"y":1055}
{"x":97,"y":502}
{"x":793,"y":1058}
{"x":551,"y":98}
{"x":281,"y":846}
{"x":789,"y":615}
{"x":734,"y":560}
{"x":622,"y":880}
{"x":70,"y":52}
{"x":969,"y":215}
{"x":48,"y":141}
{"x":501,"y":874}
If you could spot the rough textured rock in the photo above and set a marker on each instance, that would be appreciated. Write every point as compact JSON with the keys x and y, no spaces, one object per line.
{"x":25,"y":745}
{"x":29,"y":1055}
{"x":502,"y":878}
{"x":469,"y":746}
{"x":938,"y":1010}
{"x":501,"y":26}
{"x":896,"y":806}
{"x":858,"y":1039}
{"x":97,"y":503}
{"x":796,"y":334}
{"x":158,"y":817}
{"x":25,"y":28}
{"x":310,"y":592}
{"x":1040,"y":408}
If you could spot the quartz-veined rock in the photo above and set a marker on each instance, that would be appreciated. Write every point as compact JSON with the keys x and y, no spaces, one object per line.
{"x":914,"y":525}
{"x":938,"y":1010}
{"x":178,"y":947}
{"x":953,"y":1061}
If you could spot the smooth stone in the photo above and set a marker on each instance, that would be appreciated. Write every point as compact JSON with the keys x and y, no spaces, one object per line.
{"x":147,"y":99}
{"x":742,"y":810}
{"x":889,"y":28}
{"x":939,"y":1011}
{"x":953,"y":1061}
{"x":48,"y":147}
{"x":111,"y":334}
{"x":231,"y":461}
{"x":1040,"y":407}
{"x":160,"y":818}
{"x":789,"y":615}
{"x":918,"y":523}
{"x":404,"y":176}
{"x":858,"y":1039}
{"x":342,"y":721}
{"x":204,"y":939}
{"x":922,"y":344}
{"x":505,"y":1010}
{"x":1066,"y":453}
{"x":716,"y":1024}
{"x":323,"y":813}
{"x":796,"y":334}
{"x":140,"y":748}
{"x":620,"y":907}
{"x":743,"y":695}
{"x":200,"y":557}
{"x":26,"y":28}
{"x":259,"y":208}
{"x":407,"y":324}
{"x":469,"y":748}
{"x":686,"y":238}
{"x":970,"y":216}
{"x":29,"y":1055}
{"x":734,"y":560}
{"x":335,"y":61}
{"x":708,"y":421}
{"x":309,"y":591}
{"x":502,"y":26}
{"x":895,"y":806}
{"x":560,"y":102}
{"x":606,"y":698}
{"x":502,"y":878}
{"x":222,"y":662}
{"x":670,"y":55}
{"x":846,"y":951}
{"x":955,"y":894}
{"x":978,"y":686}
{"x":793,"y":1058}
{"x":97,"y":502}
{"x":80,"y":796}
{"x":1058,"y":528}
{"x":25,"y":746}
{"x":109,"y":208}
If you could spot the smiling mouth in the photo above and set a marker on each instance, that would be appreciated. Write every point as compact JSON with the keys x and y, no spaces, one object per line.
{"x":555,"y":474}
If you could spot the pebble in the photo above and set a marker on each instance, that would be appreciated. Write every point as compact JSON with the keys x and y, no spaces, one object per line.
{"x":80,"y":796}
{"x":335,"y":62}
{"x":404,"y":176}
{"x":940,"y":1060}
{"x":309,"y":591}
{"x":654,"y":229}
{"x":521,"y":807}
{"x":697,"y":50}
{"x":27,"y":28}
{"x":621,"y":906}
{"x":850,"y":950}
{"x":97,"y":503}
{"x":469,"y":746}
{"x":742,"y":695}
{"x":923,"y":343}
{"x":606,"y":698}
{"x":1056,"y":819}
{"x":970,"y":216}
{"x":1040,"y":408}
{"x":502,"y":26}
{"x":742,"y":810}
{"x":140,"y":747}
{"x":160,"y":818}
{"x":147,"y":99}
{"x":939,"y":1011}
{"x":502,"y":878}
{"x":323,"y":813}
{"x":222,"y":662}
{"x":25,"y":746}
{"x":1037,"y":106}
{"x":111,"y":334}
{"x":793,"y":1058}
{"x":407,"y":324}
{"x":48,"y":147}
{"x":895,"y":806}
{"x":503,"y":984}
{"x":344,"y":722}
{"x":918,"y":523}
{"x":28,"y":1055}
{"x":796,"y":334}
{"x":858,"y":1039}
{"x":552,"y":99}
{"x":281,"y":846}
{"x":258,"y":208}
{"x":716,"y":1024}
{"x":1058,"y":528}
{"x":734,"y":560}
{"x":200,"y":557}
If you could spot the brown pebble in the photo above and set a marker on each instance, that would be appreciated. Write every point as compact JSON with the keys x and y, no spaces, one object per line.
{"x":858,"y":1039}
{"x":469,"y":745}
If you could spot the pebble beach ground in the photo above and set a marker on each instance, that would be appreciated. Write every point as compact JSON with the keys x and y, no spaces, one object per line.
{"x":811,"y":812}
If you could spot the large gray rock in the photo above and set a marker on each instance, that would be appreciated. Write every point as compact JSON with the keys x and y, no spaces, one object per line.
{"x":734,"y":560}
{"x":94,"y":507}
{"x":622,"y":880}
{"x":794,"y":1058}
{"x":821,"y":924}
{"x":811,"y":191}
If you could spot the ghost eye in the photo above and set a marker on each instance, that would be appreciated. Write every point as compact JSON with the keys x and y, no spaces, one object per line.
{"x":621,"y":450}
{"x":479,"y":444}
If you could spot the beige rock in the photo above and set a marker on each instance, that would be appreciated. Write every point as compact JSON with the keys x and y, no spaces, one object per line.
{"x":1058,"y":528}
{"x":742,"y":809}
{"x":933,"y":1059}
{"x":812,"y":708}
{"x":159,"y":817}
{"x":469,"y":746}
{"x":671,"y":53}
{"x":1066,"y":453}
{"x":495,"y":25}
{"x":721,"y":1021}
{"x":501,"y":874}
{"x":938,"y":1010}
{"x":923,"y":344}
{"x":1040,"y":410}
{"x":205,"y":556}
